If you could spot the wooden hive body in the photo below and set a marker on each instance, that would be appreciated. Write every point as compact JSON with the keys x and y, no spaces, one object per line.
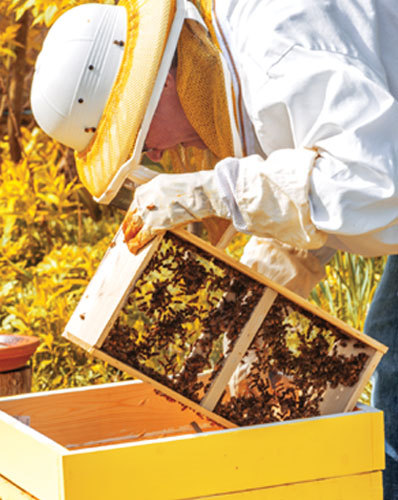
{"x":182,"y":315}
{"x":123,"y":441}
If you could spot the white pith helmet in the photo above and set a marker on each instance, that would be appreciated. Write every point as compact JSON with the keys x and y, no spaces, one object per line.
{"x":75,"y":72}
{"x":97,"y":95}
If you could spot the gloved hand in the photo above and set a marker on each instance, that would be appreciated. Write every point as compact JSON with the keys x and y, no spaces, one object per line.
{"x":297,"y":270}
{"x":171,"y":200}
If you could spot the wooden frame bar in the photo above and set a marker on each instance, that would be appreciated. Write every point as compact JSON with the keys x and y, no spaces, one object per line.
{"x":248,"y":333}
{"x":117,"y":275}
{"x":107,"y":291}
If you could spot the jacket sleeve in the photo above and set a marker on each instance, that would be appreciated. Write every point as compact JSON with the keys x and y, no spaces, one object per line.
{"x":328,"y":124}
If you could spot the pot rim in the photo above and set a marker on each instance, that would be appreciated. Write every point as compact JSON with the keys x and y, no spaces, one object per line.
{"x":20,"y":342}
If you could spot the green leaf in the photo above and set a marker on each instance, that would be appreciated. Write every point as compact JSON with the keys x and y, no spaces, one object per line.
{"x":49,"y":14}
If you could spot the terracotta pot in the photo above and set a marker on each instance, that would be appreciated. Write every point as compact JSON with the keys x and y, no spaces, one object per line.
{"x":15,"y":350}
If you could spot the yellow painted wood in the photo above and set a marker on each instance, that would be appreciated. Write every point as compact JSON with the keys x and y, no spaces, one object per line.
{"x":358,"y":487}
{"x":231,"y":460}
{"x":234,"y":464}
{"x":29,"y":459}
{"x":9,"y":491}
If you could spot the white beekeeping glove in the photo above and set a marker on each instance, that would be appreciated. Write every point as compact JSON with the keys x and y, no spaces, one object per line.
{"x":298,"y":270}
{"x":171,"y":200}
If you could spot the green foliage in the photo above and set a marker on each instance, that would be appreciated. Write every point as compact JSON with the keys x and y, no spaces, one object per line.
{"x":51,"y":242}
{"x":347,"y":291}
{"x":44,"y":11}
{"x":349,"y":286}
{"x":50,"y":249}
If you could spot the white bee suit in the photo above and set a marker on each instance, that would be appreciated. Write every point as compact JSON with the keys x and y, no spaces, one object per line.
{"x":316,"y":85}
{"x":318,"y":82}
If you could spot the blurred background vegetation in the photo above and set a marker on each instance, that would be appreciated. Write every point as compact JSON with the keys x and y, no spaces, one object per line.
{"x":53,"y":235}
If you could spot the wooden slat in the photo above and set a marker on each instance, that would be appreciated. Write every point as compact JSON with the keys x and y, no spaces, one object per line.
{"x":243,"y":342}
{"x":365,"y":376}
{"x":123,"y":411}
{"x":165,"y":390}
{"x":24,"y":456}
{"x":10,"y":491}
{"x":106,"y":293}
{"x":226,"y":238}
{"x":356,"y":487}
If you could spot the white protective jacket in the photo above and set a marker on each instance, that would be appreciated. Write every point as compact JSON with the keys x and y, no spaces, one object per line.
{"x":316,"y":83}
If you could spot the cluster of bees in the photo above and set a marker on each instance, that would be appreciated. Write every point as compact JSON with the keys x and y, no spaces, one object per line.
{"x":295,"y":358}
{"x":185,"y":313}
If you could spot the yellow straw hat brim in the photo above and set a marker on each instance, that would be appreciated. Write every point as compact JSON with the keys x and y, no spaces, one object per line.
{"x":149,"y":24}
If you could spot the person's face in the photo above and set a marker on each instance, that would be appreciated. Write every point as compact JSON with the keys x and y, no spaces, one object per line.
{"x":170,"y":126}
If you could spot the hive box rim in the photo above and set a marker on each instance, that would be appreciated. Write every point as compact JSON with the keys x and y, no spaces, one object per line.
{"x":355,"y":437}
{"x":360,"y":408}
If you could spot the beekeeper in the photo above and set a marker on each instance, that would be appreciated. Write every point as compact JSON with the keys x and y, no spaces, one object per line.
{"x":297,"y":101}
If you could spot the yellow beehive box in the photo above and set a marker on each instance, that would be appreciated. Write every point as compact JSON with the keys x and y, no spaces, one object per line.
{"x":125,"y":441}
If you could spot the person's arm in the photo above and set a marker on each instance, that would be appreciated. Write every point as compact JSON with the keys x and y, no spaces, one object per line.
{"x":340,"y":107}
{"x":338,"y":182}
{"x":257,"y":205}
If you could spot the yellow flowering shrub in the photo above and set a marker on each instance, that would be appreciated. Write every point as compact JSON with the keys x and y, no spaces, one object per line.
{"x":50,"y":248}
